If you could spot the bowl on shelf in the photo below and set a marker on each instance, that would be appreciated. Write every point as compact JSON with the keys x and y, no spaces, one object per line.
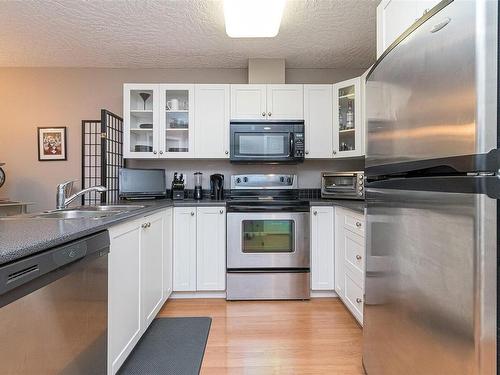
{"x":143,"y":148}
{"x":178,"y":149}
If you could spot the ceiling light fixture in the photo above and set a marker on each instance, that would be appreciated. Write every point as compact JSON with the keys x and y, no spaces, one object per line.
{"x":253,"y":18}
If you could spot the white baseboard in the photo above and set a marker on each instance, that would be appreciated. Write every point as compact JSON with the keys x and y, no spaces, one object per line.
{"x":185,"y":295}
{"x":323,"y":294}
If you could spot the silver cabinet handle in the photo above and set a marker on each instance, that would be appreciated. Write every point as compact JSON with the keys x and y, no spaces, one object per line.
{"x":226,"y":152}
{"x":358,"y":257}
{"x":145,"y":225}
{"x":358,"y":224}
{"x":315,"y":213}
{"x":192,"y":213}
{"x":221,"y":212}
{"x":263,"y":114}
{"x":269,"y":114}
{"x":154,"y":152}
{"x":149,"y":224}
{"x":359,"y":300}
{"x":161,"y":152}
{"x":307,"y":152}
{"x":334,"y":152}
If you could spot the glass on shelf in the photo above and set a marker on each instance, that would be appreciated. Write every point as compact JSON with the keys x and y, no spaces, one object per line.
{"x":177,"y":101}
{"x":141,"y":100}
{"x":177,"y":120}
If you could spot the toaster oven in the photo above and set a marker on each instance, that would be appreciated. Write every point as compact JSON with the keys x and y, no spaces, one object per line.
{"x":342,"y":185}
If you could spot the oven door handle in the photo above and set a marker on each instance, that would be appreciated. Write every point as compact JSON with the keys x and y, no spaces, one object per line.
{"x":268,"y":209}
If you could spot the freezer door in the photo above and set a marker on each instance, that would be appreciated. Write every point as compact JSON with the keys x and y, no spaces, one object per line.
{"x":430,"y":292}
{"x":433,"y":95}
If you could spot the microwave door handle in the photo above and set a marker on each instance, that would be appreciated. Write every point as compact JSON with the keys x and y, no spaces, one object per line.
{"x":292,"y":144}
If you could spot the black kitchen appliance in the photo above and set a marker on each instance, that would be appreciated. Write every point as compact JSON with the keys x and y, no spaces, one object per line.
{"x":178,"y":187}
{"x":273,"y":142}
{"x":217,"y":186}
{"x":142,"y":183}
{"x":198,"y":190}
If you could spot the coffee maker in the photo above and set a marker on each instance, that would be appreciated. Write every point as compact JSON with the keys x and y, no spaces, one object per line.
{"x":217,"y":186}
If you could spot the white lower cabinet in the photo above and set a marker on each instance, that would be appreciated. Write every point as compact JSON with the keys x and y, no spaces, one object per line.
{"x":350,"y":259}
{"x":322,"y":248}
{"x":211,"y":248}
{"x":140,"y":251}
{"x":199,"y":249}
{"x":184,"y":249}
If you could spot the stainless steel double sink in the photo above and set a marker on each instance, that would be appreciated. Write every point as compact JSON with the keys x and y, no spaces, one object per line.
{"x":86,"y":212}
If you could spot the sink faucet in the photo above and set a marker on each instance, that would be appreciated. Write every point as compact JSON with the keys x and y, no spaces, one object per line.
{"x":62,"y":199}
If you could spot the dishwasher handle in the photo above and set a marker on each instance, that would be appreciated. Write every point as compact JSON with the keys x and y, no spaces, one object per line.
{"x":23,"y":271}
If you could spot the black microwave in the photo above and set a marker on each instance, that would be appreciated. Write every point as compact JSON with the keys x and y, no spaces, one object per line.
{"x":267,"y":142}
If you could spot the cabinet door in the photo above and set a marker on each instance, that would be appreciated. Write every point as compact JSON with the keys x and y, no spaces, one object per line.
{"x":212,"y":121}
{"x":285,"y":102}
{"x":124,"y":314}
{"x":211,"y":248}
{"x":318,"y":113}
{"x":248,"y":102}
{"x":347,"y":119}
{"x":185,"y":249}
{"x":177,"y":121}
{"x":167,"y":253}
{"x":339,"y":252}
{"x":322,"y":248}
{"x":141,"y":122}
{"x":151,"y":266}
{"x":393,"y":18}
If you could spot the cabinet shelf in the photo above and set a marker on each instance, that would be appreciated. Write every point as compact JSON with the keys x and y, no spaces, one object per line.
{"x":347,"y":130}
{"x":346,"y":96}
{"x":140,"y":130}
{"x":141,"y":111}
{"x":177,"y":111}
{"x":177,"y":129}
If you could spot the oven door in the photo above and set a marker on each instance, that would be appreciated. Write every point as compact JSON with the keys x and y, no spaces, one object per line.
{"x":267,"y":240}
{"x":342,"y":185}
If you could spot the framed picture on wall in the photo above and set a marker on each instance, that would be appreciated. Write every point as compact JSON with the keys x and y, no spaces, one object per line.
{"x":52,"y":143}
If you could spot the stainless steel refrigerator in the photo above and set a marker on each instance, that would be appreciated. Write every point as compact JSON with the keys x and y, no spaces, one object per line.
{"x":432,"y":190}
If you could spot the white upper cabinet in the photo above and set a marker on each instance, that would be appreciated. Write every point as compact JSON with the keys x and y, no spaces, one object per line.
{"x":267,"y":102}
{"x":285,"y":102}
{"x":211,"y":248}
{"x":212,"y":121}
{"x":348,"y":122}
{"x":177,"y":120}
{"x":184,"y":249}
{"x":322,"y":248}
{"x":395,"y":16}
{"x":318,"y":120}
{"x":248,"y":102}
{"x":141,"y":121}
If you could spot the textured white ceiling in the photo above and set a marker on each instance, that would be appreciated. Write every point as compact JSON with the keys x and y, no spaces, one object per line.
{"x":180,"y":34}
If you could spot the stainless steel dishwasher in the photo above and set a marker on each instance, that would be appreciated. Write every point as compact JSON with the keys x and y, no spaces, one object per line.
{"x":53,"y":310}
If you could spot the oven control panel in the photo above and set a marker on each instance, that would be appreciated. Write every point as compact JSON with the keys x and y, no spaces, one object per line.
{"x":264,"y":181}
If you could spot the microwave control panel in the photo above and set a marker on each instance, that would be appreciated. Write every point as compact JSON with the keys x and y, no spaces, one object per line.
{"x":299,"y":145}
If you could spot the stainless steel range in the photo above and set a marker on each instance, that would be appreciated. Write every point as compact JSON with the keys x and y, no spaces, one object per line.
{"x":268,"y":255}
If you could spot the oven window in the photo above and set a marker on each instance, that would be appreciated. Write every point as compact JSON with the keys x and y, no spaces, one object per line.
{"x":268,"y":236}
{"x":340,"y":182}
{"x":258,"y":144}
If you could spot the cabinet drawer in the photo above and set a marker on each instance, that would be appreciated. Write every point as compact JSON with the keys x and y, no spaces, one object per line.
{"x":354,"y":297}
{"x":354,"y":255}
{"x":355,"y":223}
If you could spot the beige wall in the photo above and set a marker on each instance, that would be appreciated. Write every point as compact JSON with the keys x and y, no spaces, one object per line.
{"x":31,"y":97}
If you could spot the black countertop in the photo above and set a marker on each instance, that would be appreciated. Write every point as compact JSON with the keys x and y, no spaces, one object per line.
{"x":22,"y":236}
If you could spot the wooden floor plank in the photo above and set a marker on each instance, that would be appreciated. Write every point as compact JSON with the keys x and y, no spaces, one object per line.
{"x":276,"y":337}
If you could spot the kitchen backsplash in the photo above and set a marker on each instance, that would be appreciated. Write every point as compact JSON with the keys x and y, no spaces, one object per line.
{"x":308,"y":172}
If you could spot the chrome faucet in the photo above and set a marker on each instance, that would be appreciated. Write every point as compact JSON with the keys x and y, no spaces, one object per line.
{"x":64,"y":189}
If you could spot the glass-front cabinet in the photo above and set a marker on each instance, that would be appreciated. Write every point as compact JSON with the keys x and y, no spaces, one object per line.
{"x":177,"y":120}
{"x":141,"y":125}
{"x":158,"y":120}
{"x":347,"y":119}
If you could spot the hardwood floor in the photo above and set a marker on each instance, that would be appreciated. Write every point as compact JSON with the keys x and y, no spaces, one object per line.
{"x":276,"y":337}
